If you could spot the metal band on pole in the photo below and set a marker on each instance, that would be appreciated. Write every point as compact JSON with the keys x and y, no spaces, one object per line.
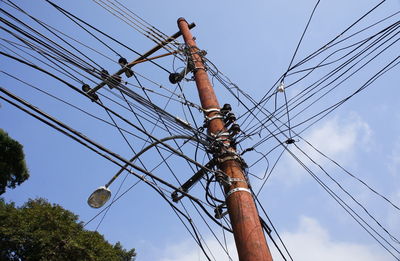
{"x":249,"y":236}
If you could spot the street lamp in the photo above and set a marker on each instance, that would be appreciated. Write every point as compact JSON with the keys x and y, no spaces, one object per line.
{"x":102,"y":194}
{"x":99,"y":197}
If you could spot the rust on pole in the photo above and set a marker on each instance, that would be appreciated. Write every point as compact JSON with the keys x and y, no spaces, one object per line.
{"x":249,"y":237}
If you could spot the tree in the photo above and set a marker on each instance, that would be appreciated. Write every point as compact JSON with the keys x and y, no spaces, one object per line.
{"x":13,"y":170}
{"x":39,"y":230}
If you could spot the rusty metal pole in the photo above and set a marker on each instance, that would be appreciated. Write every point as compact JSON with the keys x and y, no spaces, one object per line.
{"x":249,"y":237}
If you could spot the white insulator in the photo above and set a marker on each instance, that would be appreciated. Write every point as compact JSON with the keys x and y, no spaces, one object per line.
{"x":281,"y":87}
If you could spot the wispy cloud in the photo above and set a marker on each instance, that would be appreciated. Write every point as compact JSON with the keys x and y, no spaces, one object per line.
{"x":339,"y":138}
{"x":311,"y":242}
{"x":187,"y":250}
{"x":394,"y":159}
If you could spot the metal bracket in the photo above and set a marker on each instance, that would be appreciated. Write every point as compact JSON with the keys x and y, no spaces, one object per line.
{"x":142,"y":57}
{"x":193,"y":180}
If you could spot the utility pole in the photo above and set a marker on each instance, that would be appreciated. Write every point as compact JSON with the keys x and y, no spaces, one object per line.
{"x":249,"y":237}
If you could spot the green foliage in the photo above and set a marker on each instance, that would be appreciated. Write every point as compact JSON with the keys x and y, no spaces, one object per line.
{"x":39,"y":230}
{"x":13,"y":169}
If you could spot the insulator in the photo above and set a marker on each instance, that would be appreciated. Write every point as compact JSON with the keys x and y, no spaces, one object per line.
{"x":94,"y":97}
{"x":174,"y":78}
{"x":218,"y":213}
{"x":175,"y":197}
{"x":226,"y":108}
{"x":290,"y":141}
{"x":129,"y":73}
{"x":281,"y":87}
{"x":122,"y":61}
{"x":235,"y":129}
{"x":229,"y":118}
{"x":86,"y":87}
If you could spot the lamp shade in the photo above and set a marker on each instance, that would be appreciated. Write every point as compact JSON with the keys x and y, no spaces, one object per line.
{"x":99,"y":197}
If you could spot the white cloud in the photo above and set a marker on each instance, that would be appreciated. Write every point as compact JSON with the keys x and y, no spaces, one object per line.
{"x":394,"y":159}
{"x":187,"y":250}
{"x":312,"y":242}
{"x":308,"y":242}
{"x":393,"y":215}
{"x":338,"y":138}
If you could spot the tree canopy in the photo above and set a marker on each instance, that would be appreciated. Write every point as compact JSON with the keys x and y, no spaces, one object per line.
{"x":13,"y":170}
{"x":39,"y":230}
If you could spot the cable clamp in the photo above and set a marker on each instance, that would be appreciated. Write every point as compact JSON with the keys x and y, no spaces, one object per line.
{"x":230,"y":157}
{"x":223,"y":142}
{"x":185,"y":124}
{"x":211,"y":110}
{"x":222,"y":178}
{"x":236,"y":180}
{"x":236,"y":190}
{"x":195,"y":69}
{"x":290,"y":141}
{"x":219,"y":213}
{"x":221,"y":134}
{"x":218,"y":116}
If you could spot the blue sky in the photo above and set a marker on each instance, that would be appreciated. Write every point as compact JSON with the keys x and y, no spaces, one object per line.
{"x":252,"y":44}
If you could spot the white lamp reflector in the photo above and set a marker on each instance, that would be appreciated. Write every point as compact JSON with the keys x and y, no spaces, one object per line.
{"x":99,"y":197}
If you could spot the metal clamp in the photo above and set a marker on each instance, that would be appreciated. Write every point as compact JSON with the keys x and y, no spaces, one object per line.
{"x":236,"y":190}
{"x":221,"y":134}
{"x":237,"y":180}
{"x":230,"y":157}
{"x":218,"y":116}
{"x":219,"y":213}
{"x":211,"y":110}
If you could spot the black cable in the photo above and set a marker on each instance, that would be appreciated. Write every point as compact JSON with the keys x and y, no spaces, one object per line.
{"x":301,"y":39}
{"x":347,"y":208}
{"x":66,"y":13}
{"x":269,"y":117}
{"x":266,"y":97}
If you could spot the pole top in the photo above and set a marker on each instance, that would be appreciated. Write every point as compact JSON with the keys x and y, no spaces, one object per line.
{"x":181,"y":19}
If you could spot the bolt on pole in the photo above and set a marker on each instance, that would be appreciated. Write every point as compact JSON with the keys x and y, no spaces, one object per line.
{"x":248,"y":233}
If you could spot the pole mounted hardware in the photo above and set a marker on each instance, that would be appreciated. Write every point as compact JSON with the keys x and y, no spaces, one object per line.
{"x":193,"y":180}
{"x":123,"y":62}
{"x":247,"y":229}
{"x":219,"y":211}
{"x":144,"y":57}
{"x":175,"y":78}
{"x":93,"y":96}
